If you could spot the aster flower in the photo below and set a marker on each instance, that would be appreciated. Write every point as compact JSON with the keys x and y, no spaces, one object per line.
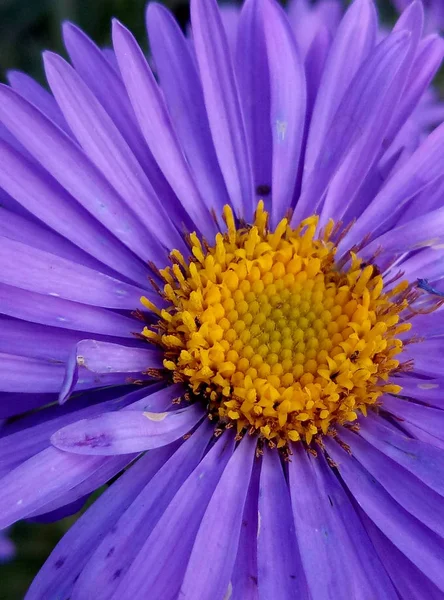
{"x":208,"y":282}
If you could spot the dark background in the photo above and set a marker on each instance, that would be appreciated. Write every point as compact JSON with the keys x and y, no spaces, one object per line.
{"x":27,"y":27}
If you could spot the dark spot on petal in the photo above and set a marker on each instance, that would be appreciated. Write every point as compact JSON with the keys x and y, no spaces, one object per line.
{"x":94,"y":441}
{"x":110,"y":552}
{"x":330,"y":500}
{"x":263,"y":190}
{"x":60,"y":562}
{"x":117,"y":574}
{"x":253,"y":579}
{"x":244,"y":523}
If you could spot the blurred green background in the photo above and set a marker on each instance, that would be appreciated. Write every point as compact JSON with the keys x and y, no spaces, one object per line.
{"x":27,"y":27}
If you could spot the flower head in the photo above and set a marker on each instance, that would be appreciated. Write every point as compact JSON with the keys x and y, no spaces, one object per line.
{"x":220,"y":290}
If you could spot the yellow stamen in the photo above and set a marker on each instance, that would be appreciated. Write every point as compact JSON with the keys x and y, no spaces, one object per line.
{"x":272,"y":335}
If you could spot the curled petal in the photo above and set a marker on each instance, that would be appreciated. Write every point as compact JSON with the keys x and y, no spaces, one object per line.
{"x":126,"y":432}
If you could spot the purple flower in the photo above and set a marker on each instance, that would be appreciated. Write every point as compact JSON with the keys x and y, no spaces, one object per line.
{"x":209,"y":295}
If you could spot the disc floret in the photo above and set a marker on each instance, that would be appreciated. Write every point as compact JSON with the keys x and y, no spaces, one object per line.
{"x":266,"y":328}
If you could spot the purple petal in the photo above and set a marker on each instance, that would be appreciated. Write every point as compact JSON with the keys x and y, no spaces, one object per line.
{"x":153,"y":118}
{"x":41,"y":478}
{"x":222,"y":104}
{"x":20,"y":229}
{"x":412,"y":20}
{"x":423,"y":460}
{"x":245,"y":578}
{"x":126,"y":432}
{"x":421,"y":169}
{"x":67,"y":560}
{"x":11,"y":140}
{"x":422,"y":546}
{"x":122,"y":545}
{"x":424,"y":417}
{"x":32,"y":91}
{"x":353,"y":41}
{"x":307,"y":18}
{"x":6,"y":201}
{"x":314,"y":64}
{"x":429,"y":391}
{"x":158,"y":398}
{"x":60,"y":513}
{"x":427,"y":356}
{"x":409,"y":580}
{"x":366,"y":151}
{"x":104,"y":357}
{"x":104,"y":80}
{"x":157,"y":572}
{"x":47,"y":377}
{"x":41,"y":376}
{"x":421,"y":501}
{"x":68,"y":164}
{"x":288,"y":106}
{"x":105,"y":146}
{"x":357,"y":113}
{"x":425,"y":264}
{"x":215,"y":547}
{"x":280,"y":572}
{"x":37,"y":341}
{"x":421,"y":435}
{"x":33,"y":438}
{"x":109,"y":469}
{"x":100,"y":71}
{"x":182,"y":88}
{"x":108,"y":53}
{"x":38,"y":271}
{"x":47,"y":200}
{"x":12,"y":404}
{"x":119,"y":395}
{"x":425,"y":66}
{"x":254,"y":89}
{"x":330,"y":536}
{"x":318,"y":535}
{"x":423,"y":231}
{"x":57,"y":312}
{"x":230,"y":15}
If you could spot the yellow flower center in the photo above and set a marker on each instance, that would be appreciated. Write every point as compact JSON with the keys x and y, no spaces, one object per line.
{"x":272,"y":335}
